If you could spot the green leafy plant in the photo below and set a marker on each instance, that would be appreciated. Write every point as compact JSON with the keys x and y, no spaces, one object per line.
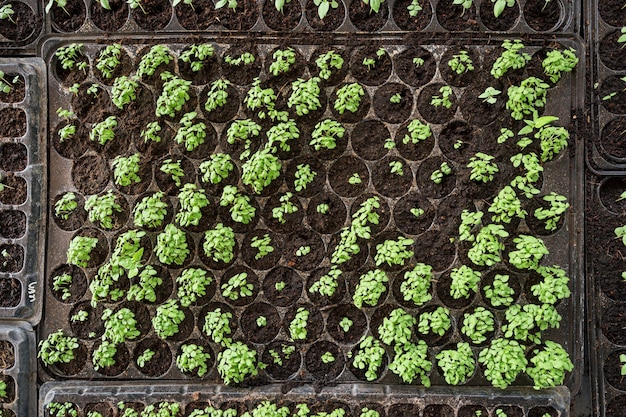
{"x":236,"y":362}
{"x":62,"y":283}
{"x":504,"y":359}
{"x":489,"y":95}
{"x":369,"y":357}
{"x":325,"y":134}
{"x":260,"y":170}
{"x":553,"y":287}
{"x":396,"y":168}
{"x":241,"y":211}
{"x":216,"y":168}
{"x":217,"y":95}
{"x":282,"y":60}
{"x":79,"y":251}
{"x":526,"y":323}
{"x":374,"y":4}
{"x":469,"y":220}
{"x":173,"y":169}
{"x":109,"y":59}
{"x":550,"y":365}
{"x":104,"y":355}
{"x":7,"y":11}
{"x":552,"y":215}
{"x":328,"y":283}
{"x":190,"y":134}
{"x":477,"y":324}
{"x":297,"y":326}
{"x":511,"y":58}
{"x":322,"y":208}
{"x":66,"y":409}
{"x":69,"y":55}
{"x":345,"y":324}
{"x":192,"y":284}
{"x":304,"y":175}
{"x":65,"y":205}
{"x":355,"y":179}
{"x":349,"y":98}
{"x":526,"y":98}
{"x":67,"y":132}
{"x":263,"y":245}
{"x":397,"y":327}
{"x":500,"y":293}
{"x":483,"y":168}
{"x":327,"y":357}
{"x":196,"y":54}
{"x":411,"y":361}
{"x":416,"y":284}
{"x":174,"y":95}
{"x":81,"y":316}
{"x":558,"y":62}
{"x":444,"y":98}
{"x":414,"y":8}
{"x":193,"y":359}
{"x":457,"y":364}
{"x":461,"y":63}
{"x":466,"y":4}
{"x":191,"y":202}
{"x":487,"y":247}
{"x":171,"y":247}
{"x":151,"y":133}
{"x":305,"y":96}
{"x":217,"y":326}
{"x":145,"y":357}
{"x":219,"y":243}
{"x":370,"y":288}
{"x":622,"y":38}
{"x":57,"y":348}
{"x":119,"y":326}
{"x":331,"y":59}
{"x":506,"y":205}
{"x":395,"y":99}
{"x":125,"y":170}
{"x":529,"y":252}
{"x":167,"y":318}
{"x":261,"y":321}
{"x":102,"y":132}
{"x":100,"y":209}
{"x":237,"y":287}
{"x":417,"y":131}
{"x":499,"y":5}
{"x":281,"y":134}
{"x":145,"y":289}
{"x":243,"y":130}
{"x":157,"y":55}
{"x":286,"y":207}
{"x":437,"y":321}
{"x":464,"y":281}
{"x":150,"y":211}
{"x":438,"y":174}
{"x":393,"y":252}
{"x":622,"y":359}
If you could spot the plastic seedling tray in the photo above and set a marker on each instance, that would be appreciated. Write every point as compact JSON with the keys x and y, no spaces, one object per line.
{"x":564,"y":245}
{"x":387,"y":400}
{"x":19,"y":36}
{"x":18,"y":369}
{"x":22,"y":202}
{"x":527,"y":16}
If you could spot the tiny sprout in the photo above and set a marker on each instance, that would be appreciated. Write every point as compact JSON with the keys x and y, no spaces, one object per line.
{"x":93,"y":90}
{"x":369,"y":63}
{"x":74,"y":88}
{"x":65,"y":114}
{"x":396,"y":168}
{"x":328,"y":358}
{"x":280,"y":286}
{"x":345,"y":324}
{"x":489,"y":95}
{"x":261,"y":321}
{"x":458,"y":144}
{"x":416,"y":211}
{"x":390,"y":143}
{"x":418,"y":62}
{"x":303,"y":251}
{"x":622,"y":196}
{"x":414,"y":8}
{"x":437,"y":175}
{"x":80,"y":316}
{"x":395,"y":99}
{"x":322,"y":208}
{"x":380,"y":52}
{"x":355,"y":179}
{"x":6,"y":11}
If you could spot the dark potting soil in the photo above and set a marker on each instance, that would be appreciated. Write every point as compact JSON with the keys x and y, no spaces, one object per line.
{"x":321,"y":370}
{"x":12,"y":122}
{"x":456,"y":133}
{"x":286,"y":365}
{"x":355,"y":331}
{"x":105,"y":409}
{"x":12,"y":263}
{"x":408,"y":222}
{"x":405,"y":21}
{"x":611,"y":53}
{"x":10,"y":289}
{"x":430,"y":113}
{"x":91,"y":107}
{"x":70,"y":76}
{"x":243,"y":18}
{"x":542,"y":16}
{"x":411,"y":73}
{"x":435,"y":249}
{"x":337,"y":75}
{"x":612,"y":95}
{"x":109,"y":20}
{"x":73,"y":147}
{"x":242,"y":74}
{"x":406,"y":410}
{"x":13,"y":157}
{"x":476,"y":110}
{"x":197,"y":16}
{"x":373,"y":74}
{"x":250,"y":254}
{"x":93,"y":326}
{"x":263,"y":333}
{"x":542,"y":411}
{"x":154,"y":14}
{"x":18,"y":88}
{"x":289,"y":293}
{"x":391,"y":181}
{"x":368,"y":139}
{"x":430,"y":188}
{"x":616,"y":407}
{"x":612,"y":12}
{"x":612,"y":323}
{"x":387,"y":106}
{"x":506,"y":21}
{"x":364,"y":19}
{"x":345,"y":168}
{"x":333,"y":19}
{"x":283,"y":20}
{"x":330,"y":222}
{"x":455,"y":18}
{"x":438,"y":410}
{"x":611,"y":139}
{"x":299,"y":239}
{"x":7,"y":354}
{"x":24,"y":24}
{"x":160,"y":362}
{"x":165,"y":181}
{"x":69,"y":18}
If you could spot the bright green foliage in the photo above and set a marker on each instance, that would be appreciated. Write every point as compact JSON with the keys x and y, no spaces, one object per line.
{"x":65,"y":205}
{"x":286,"y":351}
{"x":506,"y":205}
{"x":243,"y":130}
{"x":437,"y":321}
{"x":192,"y":284}
{"x":7,"y":11}
{"x":550,"y":365}
{"x":499,"y":5}
{"x":62,"y":410}
{"x":156,"y":56}
{"x":263,"y":245}
{"x":237,"y":287}
{"x":553,"y":287}
{"x":81,"y":316}
{"x":102,"y":132}
{"x":162,"y":409}
{"x":236,"y":362}
{"x":552,"y":214}
{"x":62,"y":283}
{"x":125,"y":170}
{"x":374,"y":4}
{"x":330,"y":59}
{"x":325,"y":134}
{"x":457,"y":364}
{"x":622,"y":359}
{"x":261,"y":321}
{"x":467,"y":4}
{"x":109,"y":59}
{"x":411,"y":361}
{"x":189,"y":133}
{"x":100,"y":209}
{"x":94,"y":413}
{"x":438,"y":174}
{"x":530,"y":251}
{"x":79,"y":251}
{"x":217,"y":95}
{"x":527,"y":323}
{"x":417,"y":212}
{"x":241,"y":211}
{"x":245,"y":58}
{"x":418,"y":131}
{"x":304,"y":176}
{"x":558,"y":62}
{"x":150,"y":211}
{"x":414,"y":8}
{"x":69,"y":55}
{"x":66,"y":132}
{"x":511,"y":58}
{"x":217,"y":326}
{"x":260,"y":170}
{"x":193,"y":358}
{"x":286,"y":207}
{"x":151,"y":132}
{"x":489,"y":95}
{"x":268,"y":409}
{"x":487,"y":246}
{"x":477,"y":324}
{"x":191,"y":202}
{"x":126,"y":411}
{"x":57,"y":348}
{"x":196,"y":54}
{"x":527,"y":97}
{"x":216,"y":168}
{"x":469,"y":220}
{"x":219,"y":243}
{"x":171,"y":247}
{"x":444,"y":98}
{"x":281,"y":134}
{"x":327,"y":357}
{"x":416,"y":284}
{"x":282,"y":60}
{"x":346,"y":324}
{"x":553,"y":139}
{"x":297,"y":327}
{"x":119,"y":326}
{"x":104,"y":355}
{"x":533,"y":173}
{"x":349,"y":98}
{"x":504,"y":135}
{"x":500,"y":293}
{"x":359,"y":228}
{"x":393,"y":252}
{"x":167,"y":318}
{"x":369,"y":357}
{"x":396,"y":168}
{"x":322,"y":208}
{"x":464,"y":281}
{"x":145,"y":290}
{"x":504,"y":359}
{"x":213,"y":412}
{"x":370,"y":288}
{"x":396,"y":328}
{"x":174,"y":95}
{"x":328,"y":283}
{"x":258,"y":98}
{"x":395,"y":99}
{"x":461,"y":63}
{"x":305,"y":96}
{"x":124,"y":91}
{"x":483,"y":167}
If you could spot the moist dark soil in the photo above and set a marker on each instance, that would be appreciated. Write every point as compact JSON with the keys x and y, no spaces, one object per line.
{"x":430,"y":113}
{"x":263,"y":333}
{"x":411,"y":73}
{"x":342,"y":170}
{"x":611,"y":53}
{"x":77,"y":287}
{"x":287,"y":365}
{"x":25,"y":24}
{"x":392,"y":184}
{"x":405,"y":21}
{"x":7,"y":354}
{"x":476,"y":110}
{"x":427,"y":186}
{"x":75,"y":365}
{"x":104,"y":408}
{"x":364,"y":19}
{"x":392,"y":112}
{"x":455,"y":132}
{"x":611,"y":324}
{"x":91,"y":328}
{"x":542,"y":411}
{"x":10,"y":290}
{"x":611,"y":138}
{"x":331,"y":221}
{"x":243,"y":18}
{"x":542,"y":16}
{"x":73,"y":147}
{"x":156,"y":14}
{"x":333,"y":19}
{"x":405,"y":410}
{"x":612,"y":95}
{"x":438,"y":410}
{"x":375,"y":74}
{"x":612,"y":12}
{"x":368,"y":139}
{"x":70,"y":18}
{"x":466,"y":77}
{"x":616,"y":407}
{"x":92,"y":108}
{"x":12,"y":263}
{"x":314,"y":323}
{"x":12,"y":122}
{"x":506,"y":21}
{"x":383,"y":211}
{"x":324,"y":372}
{"x":435,"y":249}
{"x":291,"y":291}
{"x":109,"y":20}
{"x":285,"y":20}
{"x":299,"y":239}
{"x":249,"y":254}
{"x":455,"y":18}
{"x":291,"y":221}
{"x":13,"y":157}
{"x":406,"y":221}
{"x":197,"y":16}
{"x":355,"y":331}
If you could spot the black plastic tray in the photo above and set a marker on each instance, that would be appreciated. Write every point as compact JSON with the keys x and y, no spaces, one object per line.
{"x":23,"y":371}
{"x":27,"y":45}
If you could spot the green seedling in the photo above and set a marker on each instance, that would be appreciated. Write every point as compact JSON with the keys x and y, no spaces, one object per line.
{"x":396,"y":328}
{"x":79,"y":251}
{"x":237,"y":287}
{"x":100,"y":209}
{"x":303,"y":251}
{"x":369,"y":357}
{"x":328,"y":60}
{"x":167,"y":318}
{"x":457,"y":364}
{"x":174,"y":95}
{"x":65,"y":206}
{"x":174,"y":170}
{"x":328,"y":283}
{"x":438,"y":175}
{"x":349,"y":98}
{"x":417,"y":131}
{"x":196,"y":54}
{"x":283,"y":59}
{"x":298,"y":326}
{"x":477,"y":324}
{"x":192,"y":201}
{"x":145,"y":357}
{"x":411,"y":361}
{"x":217,"y":326}
{"x":500,"y":5}
{"x":6,"y":12}
{"x":548,"y":366}
{"x":217,"y":95}
{"x":192,"y":284}
{"x":345,"y":324}
{"x":323,"y":6}
{"x":511,"y":58}
{"x":241,"y":211}
{"x":81,"y":316}
{"x":355,"y":179}
{"x":489,"y":95}
{"x":414,"y":8}
{"x":192,"y":359}
{"x":444,"y":98}
{"x":151,"y":211}
{"x":219,"y":243}
{"x":305,"y":96}
{"x":370,"y":288}
{"x":263,"y":245}
{"x":464,"y":282}
{"x":557,"y":62}
{"x":461,"y":63}
{"x":62,"y":283}
{"x":374,"y":5}
{"x":102,"y":132}
{"x":393,"y":252}
{"x":322,"y":208}
{"x":325,"y":134}
{"x":171,"y":247}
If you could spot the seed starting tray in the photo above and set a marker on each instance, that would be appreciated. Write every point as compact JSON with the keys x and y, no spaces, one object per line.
{"x":23,"y":371}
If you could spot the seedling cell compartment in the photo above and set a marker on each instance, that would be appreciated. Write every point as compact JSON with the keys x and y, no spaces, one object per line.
{"x":15,"y":38}
{"x":20,"y":373}
{"x":24,"y":247}
{"x":564,"y":245}
{"x":353,"y":397}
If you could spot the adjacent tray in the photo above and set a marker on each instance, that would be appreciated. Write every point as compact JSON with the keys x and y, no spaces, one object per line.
{"x":18,"y":369}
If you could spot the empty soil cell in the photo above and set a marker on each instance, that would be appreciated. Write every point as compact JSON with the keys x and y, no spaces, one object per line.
{"x":110,"y":20}
{"x":282,"y":286}
{"x":156,"y":14}
{"x":12,"y":224}
{"x":282,"y":20}
{"x":18,"y":88}
{"x":611,"y":52}
{"x":616,"y":407}
{"x":7,"y":354}
{"x":333,"y":19}
{"x":23,"y":23}
{"x":90,"y":174}
{"x":243,"y":18}
{"x":196,"y":16}
{"x":13,"y":157}
{"x":542,"y":16}
{"x":12,"y":122}
{"x":612,"y":12}
{"x":260,"y":323}
{"x":10,"y":292}
{"x":613,"y":137}
{"x":69,"y":18}
{"x":611,"y":325}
